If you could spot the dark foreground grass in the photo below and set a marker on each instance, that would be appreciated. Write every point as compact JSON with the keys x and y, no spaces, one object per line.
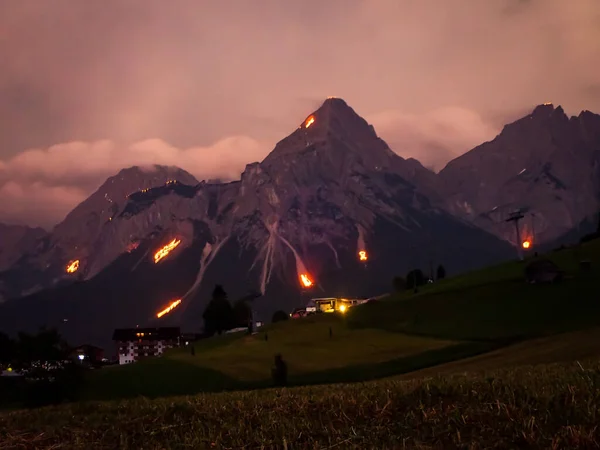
{"x":556,"y":406}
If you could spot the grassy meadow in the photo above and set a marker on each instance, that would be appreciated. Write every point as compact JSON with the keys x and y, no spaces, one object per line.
{"x":240,"y":361}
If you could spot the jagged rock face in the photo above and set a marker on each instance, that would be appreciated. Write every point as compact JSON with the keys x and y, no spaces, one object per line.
{"x":327,"y":191}
{"x":90,"y":233}
{"x":545,"y":163}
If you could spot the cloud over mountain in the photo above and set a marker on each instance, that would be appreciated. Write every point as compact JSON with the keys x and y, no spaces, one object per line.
{"x":435,"y":79}
{"x":40,"y":186}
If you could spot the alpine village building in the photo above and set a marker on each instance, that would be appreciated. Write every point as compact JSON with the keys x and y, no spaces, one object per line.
{"x":134,"y":344}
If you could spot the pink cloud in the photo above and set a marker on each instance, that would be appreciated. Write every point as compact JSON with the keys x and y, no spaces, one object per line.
{"x":434,"y":137}
{"x":37,"y":203}
{"x":39,"y":186}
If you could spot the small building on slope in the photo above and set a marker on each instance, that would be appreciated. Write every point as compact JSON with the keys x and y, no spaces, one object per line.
{"x":134,"y":344}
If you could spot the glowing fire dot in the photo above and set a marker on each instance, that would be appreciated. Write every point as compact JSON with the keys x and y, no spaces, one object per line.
{"x":362,"y":255}
{"x":309,"y":121}
{"x":163,"y":252}
{"x":169,"y":308}
{"x":526,"y":244}
{"x":132,"y":246}
{"x":306,"y":281}
{"x":73,"y":266}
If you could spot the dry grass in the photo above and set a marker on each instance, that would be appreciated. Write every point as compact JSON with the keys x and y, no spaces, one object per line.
{"x":307,"y":347}
{"x":555,"y":406}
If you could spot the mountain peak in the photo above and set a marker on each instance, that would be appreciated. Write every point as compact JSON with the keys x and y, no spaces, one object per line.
{"x":332,"y":110}
{"x":334,"y":103}
{"x":145,"y":170}
{"x":547,"y":110}
{"x":333,"y":125}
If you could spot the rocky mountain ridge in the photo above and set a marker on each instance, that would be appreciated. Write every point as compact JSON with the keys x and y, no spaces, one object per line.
{"x":291,"y":227}
{"x":544,"y":164}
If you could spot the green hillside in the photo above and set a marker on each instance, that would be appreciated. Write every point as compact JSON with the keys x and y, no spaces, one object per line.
{"x":495,"y":304}
{"x":451,"y":320}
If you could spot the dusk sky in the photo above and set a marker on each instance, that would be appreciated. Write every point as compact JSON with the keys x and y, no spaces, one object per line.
{"x":90,"y":87}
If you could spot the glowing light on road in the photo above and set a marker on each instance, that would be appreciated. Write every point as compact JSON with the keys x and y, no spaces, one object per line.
{"x":309,"y":121}
{"x":526,"y":244}
{"x":362,"y":255}
{"x":169,"y":308}
{"x":73,"y":266}
{"x":343,"y":308}
{"x":164,"y":252}
{"x":305,"y":279}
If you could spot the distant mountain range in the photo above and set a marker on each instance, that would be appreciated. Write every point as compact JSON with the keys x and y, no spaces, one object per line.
{"x":545,"y":164}
{"x":295,"y":224}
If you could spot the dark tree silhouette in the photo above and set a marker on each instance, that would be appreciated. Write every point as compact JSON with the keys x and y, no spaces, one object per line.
{"x":242,"y":313}
{"x":279,"y":316}
{"x":399,"y":284}
{"x":7,"y":349}
{"x":441,"y":273}
{"x":51,"y":377}
{"x":218,"y":315}
{"x":415,"y":278}
{"x":46,"y":345}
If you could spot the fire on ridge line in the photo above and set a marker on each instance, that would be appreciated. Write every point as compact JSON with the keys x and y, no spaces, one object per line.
{"x":164,"y":251}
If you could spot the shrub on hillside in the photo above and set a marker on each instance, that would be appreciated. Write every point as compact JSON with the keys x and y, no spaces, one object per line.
{"x":399,"y":284}
{"x":441,"y":272}
{"x":218,"y":315}
{"x":279,"y":316}
{"x":415,"y":277}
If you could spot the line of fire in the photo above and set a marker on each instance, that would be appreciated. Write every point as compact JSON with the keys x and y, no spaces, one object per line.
{"x":164,"y":251}
{"x":306,"y":282}
{"x":174,"y":304}
{"x":309,"y":121}
{"x":158,"y":256}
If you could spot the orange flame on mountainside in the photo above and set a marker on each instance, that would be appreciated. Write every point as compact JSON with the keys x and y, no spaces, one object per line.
{"x":526,"y":244}
{"x":73,"y":266}
{"x":163,"y":252}
{"x":309,"y":121}
{"x":169,"y":308}
{"x":305,"y":279}
{"x":362,"y":255}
